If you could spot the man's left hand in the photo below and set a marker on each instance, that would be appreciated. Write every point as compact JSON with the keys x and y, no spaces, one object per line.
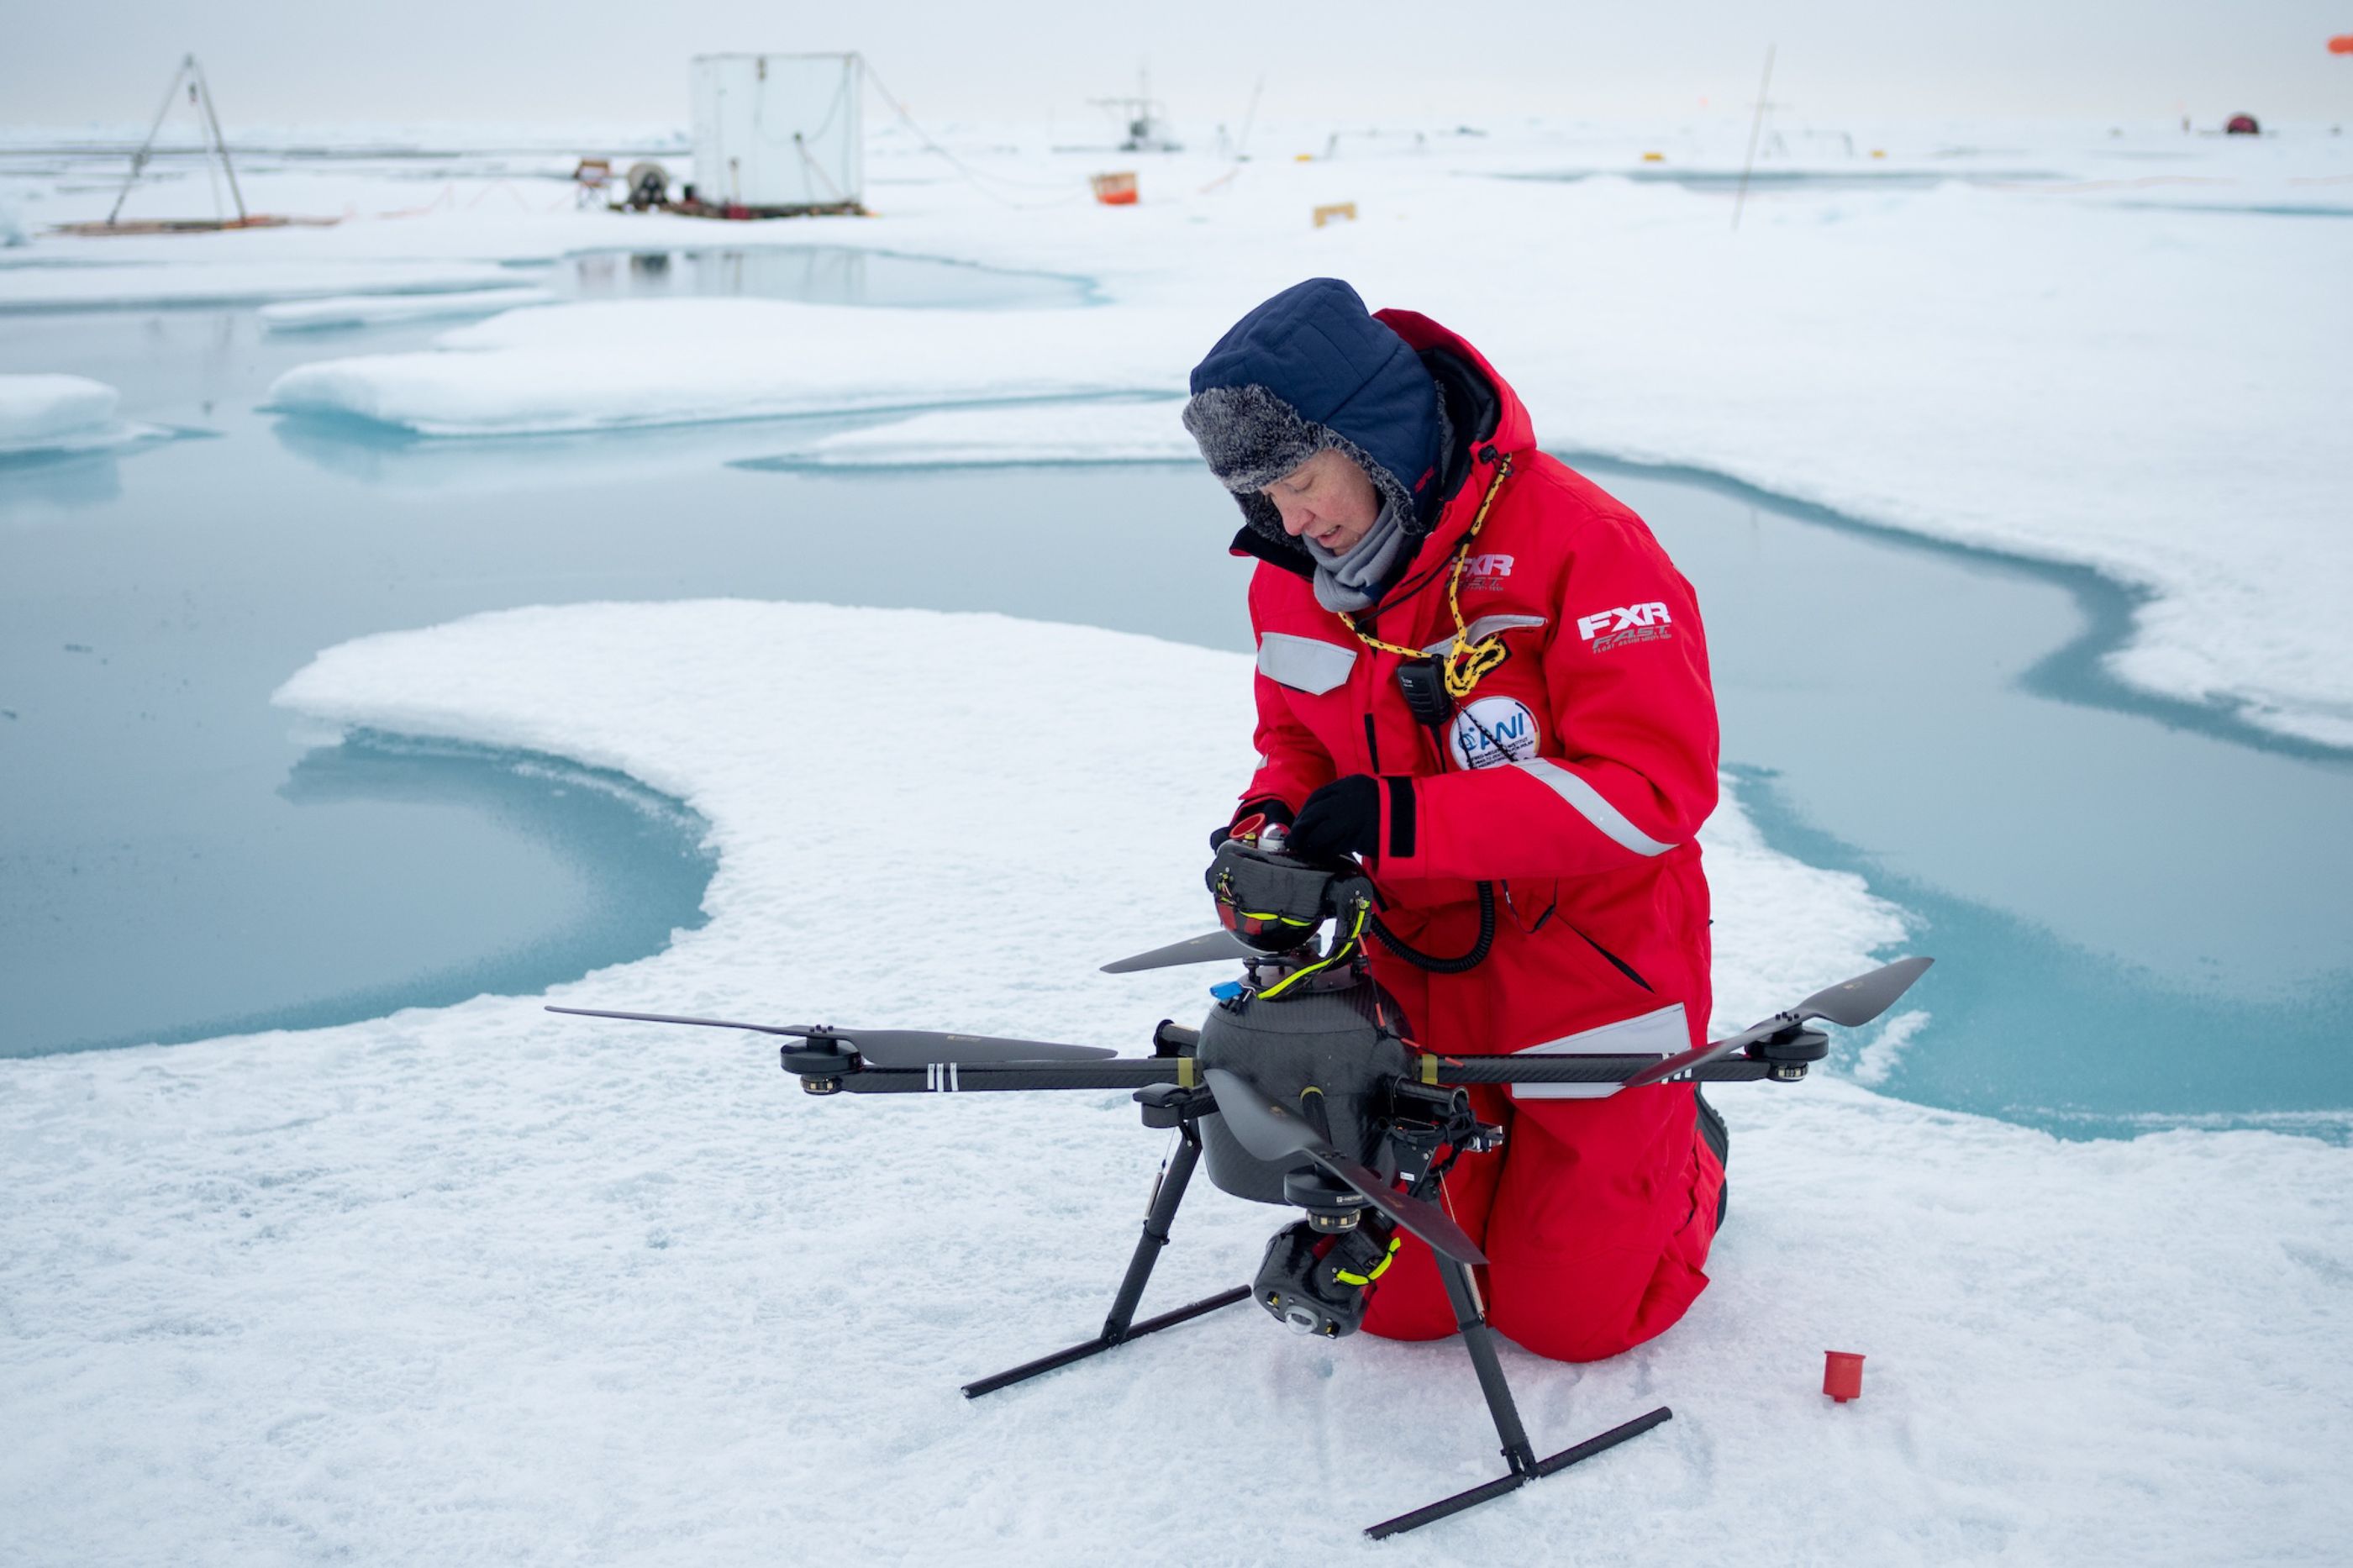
{"x":1344,"y":817}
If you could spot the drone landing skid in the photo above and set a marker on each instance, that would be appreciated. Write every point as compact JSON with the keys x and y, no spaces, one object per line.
{"x":1519,"y":1454}
{"x":1167,"y":1105}
{"x":1121,"y":1326}
{"x":1501,"y":1485}
{"x":1105,"y":1341}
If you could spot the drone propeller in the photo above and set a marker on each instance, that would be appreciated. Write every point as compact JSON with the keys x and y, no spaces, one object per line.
{"x":1271,"y":1132}
{"x":1849,"y":1002}
{"x":1207,"y":948}
{"x":1854,"y":1003}
{"x":890,"y":1047}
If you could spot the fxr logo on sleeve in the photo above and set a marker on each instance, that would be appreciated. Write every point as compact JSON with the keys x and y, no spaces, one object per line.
{"x":1629,"y":624}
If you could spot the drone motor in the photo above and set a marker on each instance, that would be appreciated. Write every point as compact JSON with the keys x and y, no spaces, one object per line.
{"x":1330,"y":1205}
{"x":1788,"y":1053}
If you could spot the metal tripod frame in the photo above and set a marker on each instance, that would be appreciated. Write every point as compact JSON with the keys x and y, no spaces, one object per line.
{"x":193,"y":74}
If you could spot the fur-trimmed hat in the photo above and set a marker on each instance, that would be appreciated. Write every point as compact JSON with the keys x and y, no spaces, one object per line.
{"x":1310,"y":370}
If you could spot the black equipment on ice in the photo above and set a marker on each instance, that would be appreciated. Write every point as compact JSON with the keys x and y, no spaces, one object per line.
{"x":1302,"y":1090}
{"x":649,"y":186}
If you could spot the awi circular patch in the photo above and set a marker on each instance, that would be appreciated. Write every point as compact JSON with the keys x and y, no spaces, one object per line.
{"x":1491,"y":732}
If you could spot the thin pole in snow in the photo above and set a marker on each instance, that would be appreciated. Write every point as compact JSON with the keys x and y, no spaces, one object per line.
{"x":1241,"y":147}
{"x":220,"y":143}
{"x":1756,"y":128}
{"x":139,"y":158}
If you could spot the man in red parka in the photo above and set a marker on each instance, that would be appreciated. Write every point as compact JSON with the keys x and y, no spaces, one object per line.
{"x":1402,"y":517}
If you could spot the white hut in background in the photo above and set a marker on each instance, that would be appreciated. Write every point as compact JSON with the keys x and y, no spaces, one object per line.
{"x":779,"y":134}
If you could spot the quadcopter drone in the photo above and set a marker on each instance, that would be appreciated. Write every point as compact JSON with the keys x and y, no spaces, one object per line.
{"x":1301,"y":1089}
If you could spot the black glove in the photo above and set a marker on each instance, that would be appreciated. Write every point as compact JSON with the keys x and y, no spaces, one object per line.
{"x":1344,"y":817}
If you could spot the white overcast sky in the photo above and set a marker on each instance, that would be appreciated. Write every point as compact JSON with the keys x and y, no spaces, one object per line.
{"x":287,"y":62}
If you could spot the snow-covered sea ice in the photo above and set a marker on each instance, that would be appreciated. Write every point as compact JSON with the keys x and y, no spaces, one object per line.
{"x":53,"y":414}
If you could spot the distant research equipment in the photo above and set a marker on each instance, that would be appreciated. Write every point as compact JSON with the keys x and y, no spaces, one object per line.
{"x":778,"y":135}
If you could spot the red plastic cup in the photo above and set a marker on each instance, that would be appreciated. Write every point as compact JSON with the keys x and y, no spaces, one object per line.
{"x":1842,"y":1375}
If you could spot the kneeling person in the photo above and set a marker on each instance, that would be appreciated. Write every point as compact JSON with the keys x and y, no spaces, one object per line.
{"x":1559,"y":744}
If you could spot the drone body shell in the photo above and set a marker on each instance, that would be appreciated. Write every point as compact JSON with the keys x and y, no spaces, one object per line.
{"x":1325,"y":1054}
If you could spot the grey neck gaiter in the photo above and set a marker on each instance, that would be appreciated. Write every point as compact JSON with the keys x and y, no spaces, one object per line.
{"x":1349,"y":582}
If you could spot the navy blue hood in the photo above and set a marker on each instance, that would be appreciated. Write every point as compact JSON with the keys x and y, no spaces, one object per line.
{"x":1310,"y":369}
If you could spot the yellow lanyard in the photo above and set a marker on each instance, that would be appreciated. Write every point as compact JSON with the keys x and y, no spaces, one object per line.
{"x":1465,"y":662}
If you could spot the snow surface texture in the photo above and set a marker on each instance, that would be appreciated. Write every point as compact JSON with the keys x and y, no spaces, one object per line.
{"x":485,"y":1285}
{"x":46,"y":415}
{"x":1093,"y":432}
{"x":124,"y":281}
{"x":2118,"y":352}
{"x":44,"y":407}
{"x":365,"y":310}
{"x":676,"y":362}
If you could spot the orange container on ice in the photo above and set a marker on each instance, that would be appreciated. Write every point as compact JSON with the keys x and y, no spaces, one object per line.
{"x":1842,"y":1375}
{"x":1115,"y":190}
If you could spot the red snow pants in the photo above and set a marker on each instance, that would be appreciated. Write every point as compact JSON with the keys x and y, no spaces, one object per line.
{"x":1595,"y":1222}
{"x":1596,"y":1215}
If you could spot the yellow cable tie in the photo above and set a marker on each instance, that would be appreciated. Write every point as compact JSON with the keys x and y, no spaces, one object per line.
{"x":1345,"y":1277}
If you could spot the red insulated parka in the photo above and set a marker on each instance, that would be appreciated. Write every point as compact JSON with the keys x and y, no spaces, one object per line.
{"x":1575,"y":778}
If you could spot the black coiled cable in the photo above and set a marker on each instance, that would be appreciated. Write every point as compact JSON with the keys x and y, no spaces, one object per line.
{"x":1431,"y":962}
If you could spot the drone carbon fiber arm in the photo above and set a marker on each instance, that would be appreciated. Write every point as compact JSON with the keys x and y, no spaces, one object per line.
{"x":1123,"y":1072}
{"x":928,"y":1061}
{"x":1136,"y":1072}
{"x":1534,"y":1069}
{"x":1767,"y":1049}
